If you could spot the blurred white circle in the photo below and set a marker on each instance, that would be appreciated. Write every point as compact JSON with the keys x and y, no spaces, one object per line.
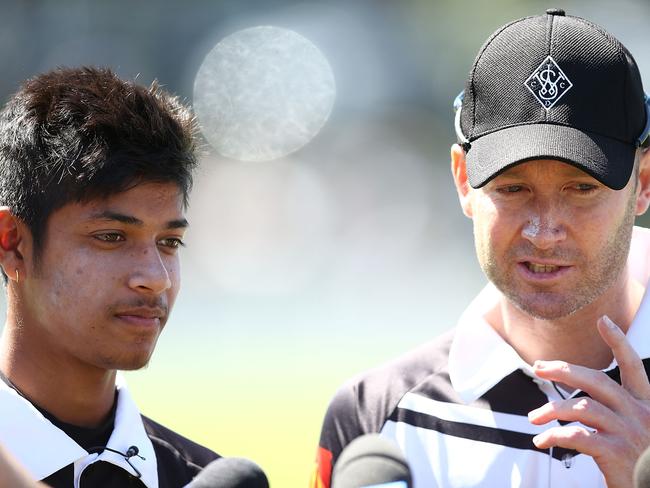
{"x":263,"y":93}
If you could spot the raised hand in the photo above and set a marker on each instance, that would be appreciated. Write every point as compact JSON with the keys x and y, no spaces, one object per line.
{"x":615,"y":418}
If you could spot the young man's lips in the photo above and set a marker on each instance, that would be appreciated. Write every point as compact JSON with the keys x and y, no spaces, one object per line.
{"x":141,"y":316}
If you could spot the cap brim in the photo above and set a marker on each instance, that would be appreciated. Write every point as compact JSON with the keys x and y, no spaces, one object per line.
{"x":607,"y":160}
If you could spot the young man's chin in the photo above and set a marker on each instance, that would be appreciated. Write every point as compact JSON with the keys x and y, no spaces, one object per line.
{"x":137,"y":362}
{"x":130,"y":362}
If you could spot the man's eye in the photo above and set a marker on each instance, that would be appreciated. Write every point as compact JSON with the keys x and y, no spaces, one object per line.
{"x":109,"y":237}
{"x":172,"y":242}
{"x":585,"y":187}
{"x":511,"y":189}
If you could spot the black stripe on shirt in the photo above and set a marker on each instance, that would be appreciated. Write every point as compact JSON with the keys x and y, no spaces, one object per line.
{"x":491,"y":435}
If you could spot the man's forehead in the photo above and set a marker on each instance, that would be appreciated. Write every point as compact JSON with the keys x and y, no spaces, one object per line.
{"x":136,"y":205}
{"x":546,"y":166}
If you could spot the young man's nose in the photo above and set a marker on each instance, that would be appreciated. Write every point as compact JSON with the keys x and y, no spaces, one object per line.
{"x":149,"y":272}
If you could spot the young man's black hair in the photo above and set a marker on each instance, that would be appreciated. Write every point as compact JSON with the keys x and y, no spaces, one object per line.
{"x":78,"y":134}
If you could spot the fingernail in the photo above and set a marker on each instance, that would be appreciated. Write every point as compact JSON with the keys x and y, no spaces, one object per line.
{"x":536,"y":439}
{"x":539,"y":364}
{"x":610,"y":324}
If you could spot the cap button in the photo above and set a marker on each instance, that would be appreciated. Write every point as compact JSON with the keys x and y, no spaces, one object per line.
{"x":555,"y":11}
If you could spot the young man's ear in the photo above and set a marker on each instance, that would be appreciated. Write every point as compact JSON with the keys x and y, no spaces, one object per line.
{"x":459,"y":172}
{"x":643,"y":189}
{"x":11,"y":259}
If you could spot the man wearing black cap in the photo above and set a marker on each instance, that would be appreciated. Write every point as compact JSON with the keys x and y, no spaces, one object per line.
{"x":536,"y":386}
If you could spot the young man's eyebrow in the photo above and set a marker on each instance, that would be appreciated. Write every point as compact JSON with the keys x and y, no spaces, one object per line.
{"x":131,"y":220}
{"x":178,"y":224}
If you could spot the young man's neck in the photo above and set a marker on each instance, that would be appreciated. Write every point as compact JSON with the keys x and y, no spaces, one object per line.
{"x":71,"y":392}
{"x":573,"y":338}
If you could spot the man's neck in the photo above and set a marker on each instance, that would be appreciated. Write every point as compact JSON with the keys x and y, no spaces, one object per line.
{"x":71,"y":392}
{"x":573,"y":338}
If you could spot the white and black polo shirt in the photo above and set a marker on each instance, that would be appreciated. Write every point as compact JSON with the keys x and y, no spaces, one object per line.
{"x":458,"y":406}
{"x":41,"y":444}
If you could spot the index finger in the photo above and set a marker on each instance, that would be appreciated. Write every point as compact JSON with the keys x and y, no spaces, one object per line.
{"x":633,"y":376}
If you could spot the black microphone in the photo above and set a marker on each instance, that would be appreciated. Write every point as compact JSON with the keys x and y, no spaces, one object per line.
{"x":371,"y":460}
{"x":642,"y":470}
{"x":230,"y":473}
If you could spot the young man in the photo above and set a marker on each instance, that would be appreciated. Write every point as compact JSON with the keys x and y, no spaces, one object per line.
{"x":95,"y":174}
{"x":536,"y":386}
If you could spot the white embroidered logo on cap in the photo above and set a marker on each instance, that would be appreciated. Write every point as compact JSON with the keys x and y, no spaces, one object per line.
{"x":548,"y":83}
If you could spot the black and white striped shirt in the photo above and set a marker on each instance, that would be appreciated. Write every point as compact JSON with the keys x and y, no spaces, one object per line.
{"x":458,"y":406}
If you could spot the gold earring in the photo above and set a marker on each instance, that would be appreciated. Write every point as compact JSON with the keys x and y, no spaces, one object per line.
{"x":17,"y":276}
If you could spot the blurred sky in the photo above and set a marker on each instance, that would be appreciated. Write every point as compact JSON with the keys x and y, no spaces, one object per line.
{"x":302,"y":271}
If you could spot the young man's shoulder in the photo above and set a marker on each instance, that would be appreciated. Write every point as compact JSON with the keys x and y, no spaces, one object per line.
{"x":179,"y":459}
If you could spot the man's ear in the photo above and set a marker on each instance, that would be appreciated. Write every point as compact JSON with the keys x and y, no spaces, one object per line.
{"x":459,"y":172}
{"x":11,"y":258}
{"x":643,"y":189}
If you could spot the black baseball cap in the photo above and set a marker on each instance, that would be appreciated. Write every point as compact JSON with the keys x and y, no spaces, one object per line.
{"x":557,"y":87}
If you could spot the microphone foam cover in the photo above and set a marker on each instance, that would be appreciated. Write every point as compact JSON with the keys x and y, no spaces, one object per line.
{"x":231,"y":472}
{"x":370,"y":460}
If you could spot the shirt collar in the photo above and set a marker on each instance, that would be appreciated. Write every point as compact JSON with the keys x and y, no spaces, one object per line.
{"x":42,"y":448}
{"x":479,"y":358}
{"x":639,"y":332}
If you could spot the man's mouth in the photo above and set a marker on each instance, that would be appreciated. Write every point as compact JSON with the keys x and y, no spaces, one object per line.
{"x":143,"y":316}
{"x":143,"y":313}
{"x":542,"y":268}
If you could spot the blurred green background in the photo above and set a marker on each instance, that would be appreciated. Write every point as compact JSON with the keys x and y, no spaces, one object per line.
{"x":303,"y":271}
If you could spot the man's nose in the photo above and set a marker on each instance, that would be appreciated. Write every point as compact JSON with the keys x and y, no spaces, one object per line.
{"x":149,"y":273}
{"x":545,"y":227}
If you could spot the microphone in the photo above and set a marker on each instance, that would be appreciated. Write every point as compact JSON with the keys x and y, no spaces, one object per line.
{"x":642,"y":470}
{"x":131,"y":451}
{"x":371,"y":461}
{"x":230,"y":473}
